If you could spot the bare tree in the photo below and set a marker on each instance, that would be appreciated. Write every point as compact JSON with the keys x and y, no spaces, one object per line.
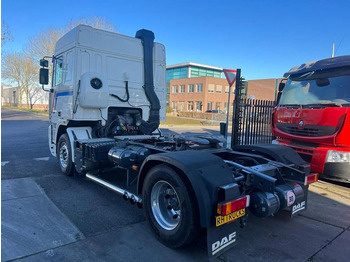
{"x":95,"y":22}
{"x":12,"y":70}
{"x":20,"y":69}
{"x":6,"y":35}
{"x":44,"y":43}
{"x":35,"y":93}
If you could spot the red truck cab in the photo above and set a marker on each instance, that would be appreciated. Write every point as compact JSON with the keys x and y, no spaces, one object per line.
{"x":312,"y":115}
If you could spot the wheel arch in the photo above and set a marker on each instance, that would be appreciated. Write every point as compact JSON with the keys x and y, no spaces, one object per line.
{"x":199,"y":171}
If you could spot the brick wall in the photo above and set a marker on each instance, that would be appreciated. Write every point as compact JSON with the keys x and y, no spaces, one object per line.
{"x":261,"y":89}
{"x":216,"y":96}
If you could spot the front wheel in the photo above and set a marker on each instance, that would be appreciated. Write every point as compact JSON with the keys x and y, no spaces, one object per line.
{"x":64,"y":155}
{"x":170,"y":207}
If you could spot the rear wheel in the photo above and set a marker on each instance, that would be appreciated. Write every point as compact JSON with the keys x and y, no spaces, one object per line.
{"x":170,"y":207}
{"x":64,"y":155}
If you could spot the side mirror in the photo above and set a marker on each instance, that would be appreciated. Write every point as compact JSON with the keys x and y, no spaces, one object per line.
{"x":281,"y":86}
{"x":44,"y":63}
{"x":44,"y":76}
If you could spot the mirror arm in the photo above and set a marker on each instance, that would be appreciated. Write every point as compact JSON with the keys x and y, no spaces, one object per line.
{"x":42,"y":86}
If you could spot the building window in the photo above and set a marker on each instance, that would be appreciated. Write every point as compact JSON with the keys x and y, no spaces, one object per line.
{"x":199,"y":106}
{"x":174,"y":89}
{"x":181,"y":106}
{"x":176,"y":73}
{"x":182,"y":88}
{"x":190,"y":88}
{"x":198,"y":72}
{"x":190,"y":106}
{"x":199,"y":88}
{"x":210,"y":106}
{"x":227,"y":89}
{"x":217,"y":105}
{"x":219,"y":89}
{"x":211,"y":88}
{"x":174,"y":105}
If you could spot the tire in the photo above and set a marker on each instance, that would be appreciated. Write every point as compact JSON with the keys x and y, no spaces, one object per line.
{"x":175,"y":227}
{"x":64,"y":156}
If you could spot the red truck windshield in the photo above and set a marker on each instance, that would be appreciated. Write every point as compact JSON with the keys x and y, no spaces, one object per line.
{"x":321,"y":91}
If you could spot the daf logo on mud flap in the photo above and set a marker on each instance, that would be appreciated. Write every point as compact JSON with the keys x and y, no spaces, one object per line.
{"x":225,"y":241}
{"x":301,"y":123}
{"x":300,"y":206}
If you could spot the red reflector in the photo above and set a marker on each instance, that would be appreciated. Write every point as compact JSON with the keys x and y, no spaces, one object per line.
{"x":232,"y":206}
{"x":311,"y":179}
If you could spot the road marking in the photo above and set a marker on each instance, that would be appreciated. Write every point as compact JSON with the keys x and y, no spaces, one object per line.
{"x":3,"y":163}
{"x":42,"y":159}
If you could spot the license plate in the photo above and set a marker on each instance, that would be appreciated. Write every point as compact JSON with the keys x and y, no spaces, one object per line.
{"x":220,"y":220}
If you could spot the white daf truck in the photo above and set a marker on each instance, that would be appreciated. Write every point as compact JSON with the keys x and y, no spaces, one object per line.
{"x":107,"y":99}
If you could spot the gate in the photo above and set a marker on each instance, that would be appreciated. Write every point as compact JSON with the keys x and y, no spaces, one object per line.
{"x":251,"y":122}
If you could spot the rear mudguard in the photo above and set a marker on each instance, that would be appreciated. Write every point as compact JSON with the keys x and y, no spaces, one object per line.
{"x":278,"y":153}
{"x":204,"y":172}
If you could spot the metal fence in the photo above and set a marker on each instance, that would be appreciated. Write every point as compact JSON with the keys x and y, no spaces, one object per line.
{"x":253,"y":121}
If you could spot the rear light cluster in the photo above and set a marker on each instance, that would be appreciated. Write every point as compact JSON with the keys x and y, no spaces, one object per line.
{"x":232,"y":206}
{"x":312,"y":178}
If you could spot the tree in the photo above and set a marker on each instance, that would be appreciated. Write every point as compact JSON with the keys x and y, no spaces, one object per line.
{"x":44,"y":43}
{"x":6,"y":35}
{"x":35,"y":93}
{"x":95,"y":22}
{"x":20,"y":69}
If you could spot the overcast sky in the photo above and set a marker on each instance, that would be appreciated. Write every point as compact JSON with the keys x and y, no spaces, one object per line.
{"x":263,"y":38}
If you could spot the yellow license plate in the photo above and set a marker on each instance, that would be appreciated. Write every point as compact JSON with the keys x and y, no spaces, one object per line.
{"x":220,"y":220}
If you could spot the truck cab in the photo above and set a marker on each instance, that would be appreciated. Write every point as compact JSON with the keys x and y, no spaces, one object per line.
{"x":312,"y":115}
{"x":97,"y":75}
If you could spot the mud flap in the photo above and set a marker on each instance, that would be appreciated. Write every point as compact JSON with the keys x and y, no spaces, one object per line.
{"x":299,"y":206}
{"x":221,"y":239}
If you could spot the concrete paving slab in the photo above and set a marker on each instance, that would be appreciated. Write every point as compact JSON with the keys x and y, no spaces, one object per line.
{"x":338,"y":250}
{"x":89,"y":206}
{"x":19,"y":188}
{"x":119,"y":246}
{"x":329,"y":203}
{"x":281,"y":239}
{"x":32,"y":224}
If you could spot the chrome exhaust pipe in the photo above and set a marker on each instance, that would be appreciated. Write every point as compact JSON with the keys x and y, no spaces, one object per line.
{"x":126,"y":195}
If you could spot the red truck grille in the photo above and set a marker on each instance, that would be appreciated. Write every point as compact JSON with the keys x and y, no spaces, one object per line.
{"x":307,"y":130}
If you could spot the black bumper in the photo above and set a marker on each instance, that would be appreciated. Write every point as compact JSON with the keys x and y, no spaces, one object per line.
{"x":337,"y":171}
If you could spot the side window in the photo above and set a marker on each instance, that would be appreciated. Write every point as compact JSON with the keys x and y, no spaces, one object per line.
{"x":57,"y":71}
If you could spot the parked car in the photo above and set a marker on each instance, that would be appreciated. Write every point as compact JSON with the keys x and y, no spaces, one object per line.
{"x":215,"y":111}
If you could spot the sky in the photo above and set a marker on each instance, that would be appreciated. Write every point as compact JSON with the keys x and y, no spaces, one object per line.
{"x":263,"y":38}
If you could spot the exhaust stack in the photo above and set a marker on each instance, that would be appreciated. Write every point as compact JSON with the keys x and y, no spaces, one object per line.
{"x":147,"y":38}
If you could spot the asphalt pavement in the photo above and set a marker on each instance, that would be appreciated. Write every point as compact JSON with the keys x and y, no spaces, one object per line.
{"x":47,"y":216}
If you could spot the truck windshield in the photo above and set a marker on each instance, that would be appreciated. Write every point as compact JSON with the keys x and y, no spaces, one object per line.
{"x":317,"y":92}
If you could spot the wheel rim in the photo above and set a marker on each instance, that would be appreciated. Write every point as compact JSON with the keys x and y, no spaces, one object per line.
{"x":64,"y":155}
{"x":166,"y":206}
